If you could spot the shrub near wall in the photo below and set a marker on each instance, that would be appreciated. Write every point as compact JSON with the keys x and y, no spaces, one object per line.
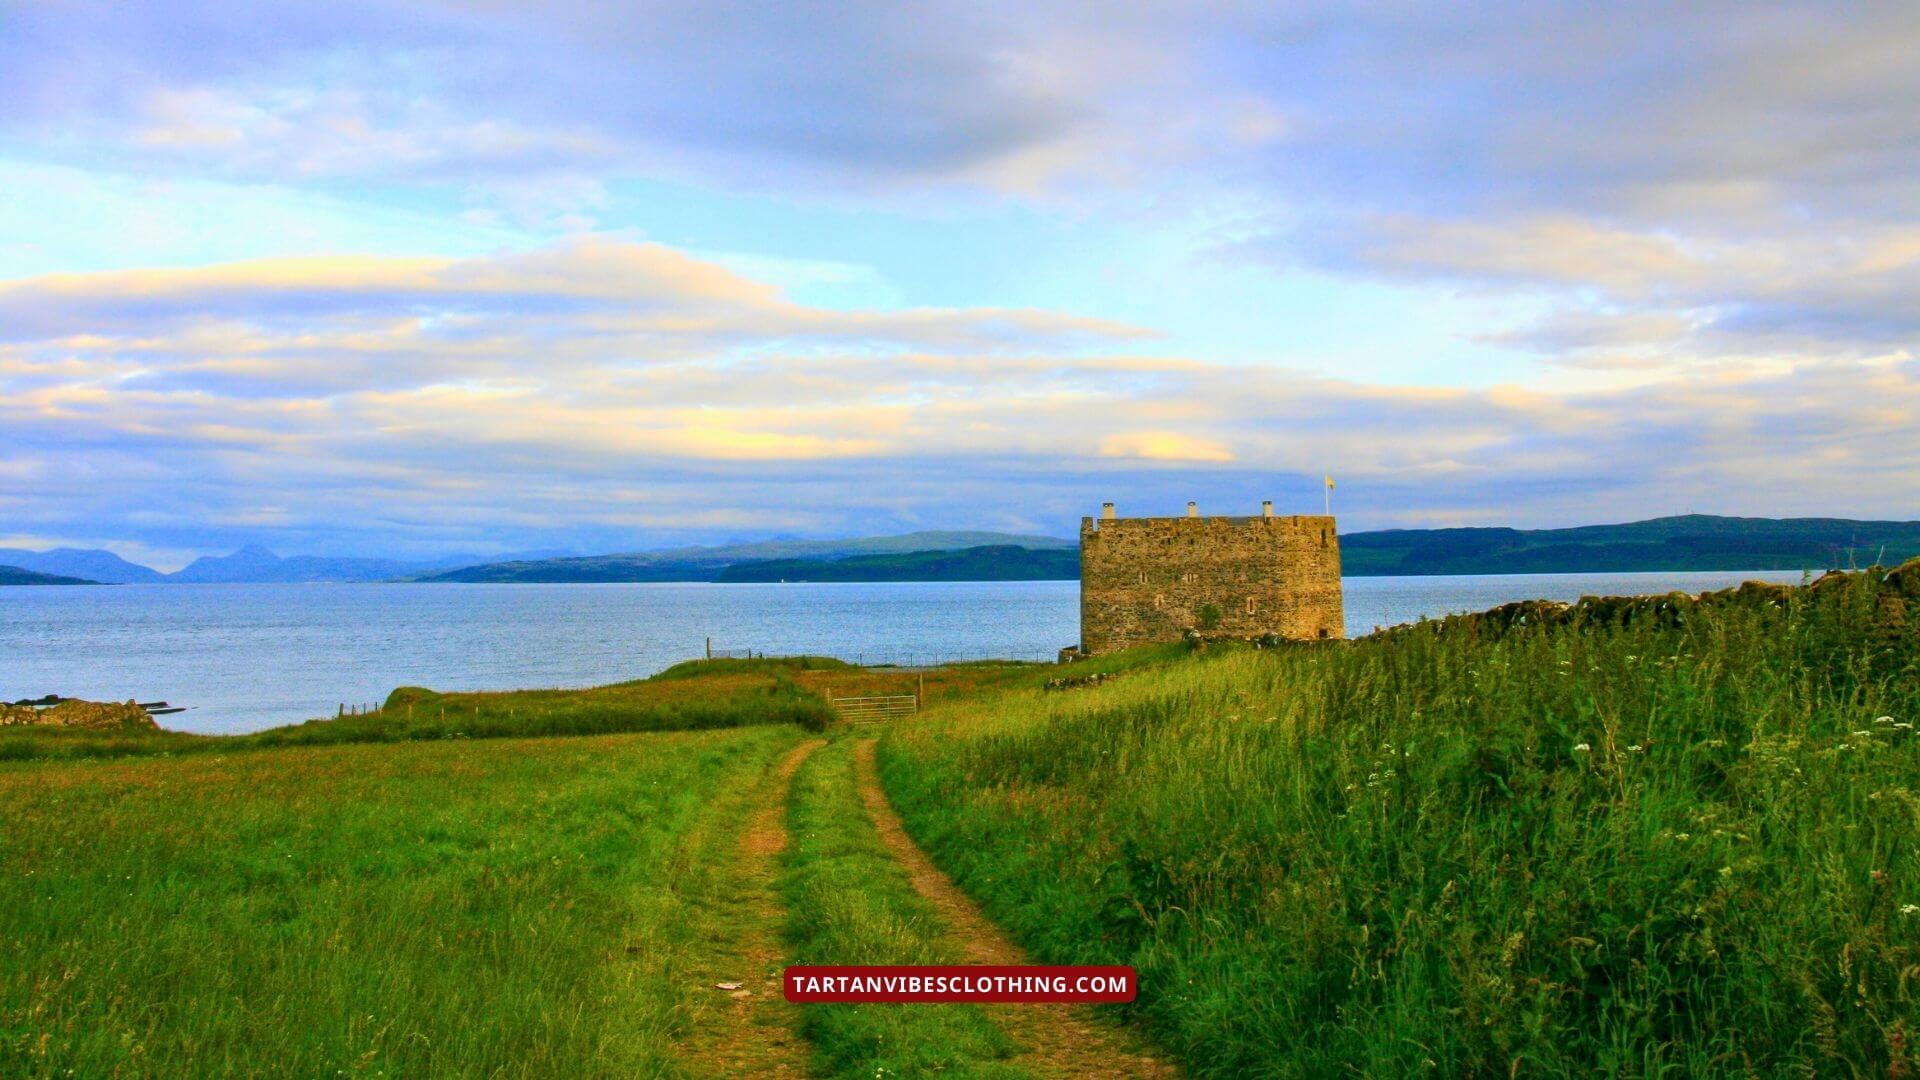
{"x":1620,"y":841}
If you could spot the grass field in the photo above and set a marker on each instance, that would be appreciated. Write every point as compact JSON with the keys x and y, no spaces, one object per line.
{"x":1682,"y":843}
{"x":1636,"y":838}
{"x":487,"y":908}
{"x":440,"y":887}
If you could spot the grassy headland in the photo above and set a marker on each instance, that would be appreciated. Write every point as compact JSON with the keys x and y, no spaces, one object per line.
{"x":1628,"y":839}
{"x":690,"y":696}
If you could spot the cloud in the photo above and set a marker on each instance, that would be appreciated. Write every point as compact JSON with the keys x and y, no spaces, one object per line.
{"x":1693,"y":154}
{"x":1707,"y":210}
{"x":1709,"y":111}
{"x":1164,"y":446}
{"x":604,"y":394}
{"x":388,"y":89}
{"x":1745,"y":172}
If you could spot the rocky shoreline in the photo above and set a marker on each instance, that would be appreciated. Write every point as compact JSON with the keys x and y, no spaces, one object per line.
{"x":74,"y":713}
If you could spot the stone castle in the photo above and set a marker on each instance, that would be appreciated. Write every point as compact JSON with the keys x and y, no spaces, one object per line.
{"x":1145,"y":580}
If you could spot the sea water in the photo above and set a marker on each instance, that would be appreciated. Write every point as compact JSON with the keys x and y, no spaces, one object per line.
{"x":245,"y":657}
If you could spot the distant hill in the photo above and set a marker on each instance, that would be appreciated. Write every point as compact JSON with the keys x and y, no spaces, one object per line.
{"x":903,"y":543}
{"x":600,"y":569}
{"x":706,"y":563}
{"x":997,"y":562}
{"x":1689,"y":542}
{"x":255,"y":564}
{"x":14,"y":575}
{"x":91,"y":564}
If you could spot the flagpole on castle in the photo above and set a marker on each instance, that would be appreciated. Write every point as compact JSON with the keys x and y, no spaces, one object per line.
{"x":1327,"y":494}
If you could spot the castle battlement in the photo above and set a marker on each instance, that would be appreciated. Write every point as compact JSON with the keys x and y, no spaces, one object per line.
{"x":1152,"y":579}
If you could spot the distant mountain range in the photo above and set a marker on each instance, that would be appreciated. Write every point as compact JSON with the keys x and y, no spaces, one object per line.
{"x":707,"y":563}
{"x":89,"y":563}
{"x":1691,"y":542}
{"x":13,"y":575}
{"x":251,"y":564}
{"x":256,"y":564}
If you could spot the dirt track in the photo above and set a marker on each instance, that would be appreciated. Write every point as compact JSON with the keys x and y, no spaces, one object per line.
{"x":1061,"y":1040}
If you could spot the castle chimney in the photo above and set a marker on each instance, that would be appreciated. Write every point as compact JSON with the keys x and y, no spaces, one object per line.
{"x":1266,"y":508}
{"x":1106,"y":512}
{"x":1193,"y":509}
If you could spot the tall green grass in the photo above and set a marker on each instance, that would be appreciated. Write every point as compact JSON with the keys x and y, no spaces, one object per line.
{"x":506,"y":908}
{"x":1688,"y":842}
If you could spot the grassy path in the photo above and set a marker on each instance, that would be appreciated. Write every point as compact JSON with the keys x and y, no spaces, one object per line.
{"x":1060,"y":1040}
{"x":850,"y":902}
{"x":752,"y":1030}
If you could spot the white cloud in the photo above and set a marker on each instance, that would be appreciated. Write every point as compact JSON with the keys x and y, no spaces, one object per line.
{"x":566,"y":395}
{"x":1165,"y":446}
{"x":1712,"y":204}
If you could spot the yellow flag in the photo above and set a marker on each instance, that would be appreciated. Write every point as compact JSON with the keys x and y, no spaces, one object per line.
{"x":1329,"y":481}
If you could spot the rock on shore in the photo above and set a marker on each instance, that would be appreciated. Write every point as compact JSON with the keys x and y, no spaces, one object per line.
{"x":73,"y":713}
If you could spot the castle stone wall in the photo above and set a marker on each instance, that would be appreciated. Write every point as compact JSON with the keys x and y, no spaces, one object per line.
{"x":1145,"y":580}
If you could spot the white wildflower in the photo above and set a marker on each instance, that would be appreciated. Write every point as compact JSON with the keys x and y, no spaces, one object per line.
{"x":1583,"y":748}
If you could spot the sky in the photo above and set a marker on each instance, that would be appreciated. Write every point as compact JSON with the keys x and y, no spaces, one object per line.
{"x":414,"y":279}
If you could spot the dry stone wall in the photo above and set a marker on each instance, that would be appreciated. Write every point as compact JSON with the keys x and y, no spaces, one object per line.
{"x":1144,"y":580}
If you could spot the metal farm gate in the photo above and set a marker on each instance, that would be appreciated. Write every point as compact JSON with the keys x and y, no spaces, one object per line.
{"x":876,"y":710}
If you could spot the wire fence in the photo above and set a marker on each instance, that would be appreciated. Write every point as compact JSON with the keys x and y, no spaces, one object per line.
{"x":899,"y":658}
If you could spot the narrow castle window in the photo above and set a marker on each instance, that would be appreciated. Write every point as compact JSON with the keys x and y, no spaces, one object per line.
{"x":1159,"y":601}
{"x":1249,"y":605}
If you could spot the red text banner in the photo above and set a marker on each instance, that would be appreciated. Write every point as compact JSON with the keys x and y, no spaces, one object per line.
{"x":1031,"y":984}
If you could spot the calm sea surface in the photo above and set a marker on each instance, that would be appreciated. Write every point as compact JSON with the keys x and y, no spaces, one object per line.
{"x":244,"y":657}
